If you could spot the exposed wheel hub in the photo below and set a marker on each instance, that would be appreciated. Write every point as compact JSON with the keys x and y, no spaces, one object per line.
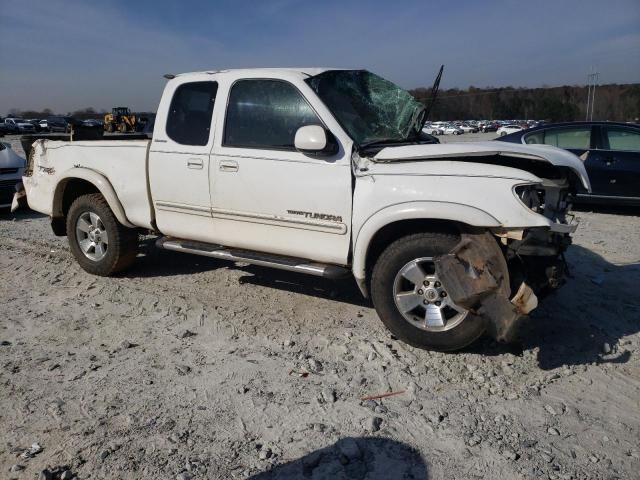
{"x":431,"y":294}
{"x":422,"y":299}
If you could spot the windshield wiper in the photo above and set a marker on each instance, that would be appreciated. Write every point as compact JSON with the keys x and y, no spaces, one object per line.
{"x":383,"y":141}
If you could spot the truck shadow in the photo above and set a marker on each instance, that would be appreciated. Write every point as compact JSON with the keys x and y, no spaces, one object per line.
{"x":361,"y":457}
{"x":19,"y":215}
{"x":586,"y":320}
{"x":153,"y":262}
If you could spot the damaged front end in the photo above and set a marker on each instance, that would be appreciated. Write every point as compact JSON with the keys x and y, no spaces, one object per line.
{"x":500,"y":275}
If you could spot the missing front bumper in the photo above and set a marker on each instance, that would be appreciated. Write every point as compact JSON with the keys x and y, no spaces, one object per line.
{"x":478,"y":279}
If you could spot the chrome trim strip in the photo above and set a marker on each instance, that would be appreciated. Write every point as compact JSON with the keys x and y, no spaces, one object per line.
{"x":303,"y":224}
{"x":183,"y":208}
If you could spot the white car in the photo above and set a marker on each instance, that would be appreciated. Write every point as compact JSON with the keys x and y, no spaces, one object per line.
{"x":468,"y":128}
{"x":507,"y":129}
{"x":11,"y":171}
{"x":433,"y":130}
{"x":266,"y":166}
{"x":19,"y":125}
{"x":452,"y":130}
{"x":44,"y":125}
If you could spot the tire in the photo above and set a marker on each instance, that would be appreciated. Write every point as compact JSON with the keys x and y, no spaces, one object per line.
{"x":120,"y":249}
{"x":502,"y":134}
{"x":386,"y":272}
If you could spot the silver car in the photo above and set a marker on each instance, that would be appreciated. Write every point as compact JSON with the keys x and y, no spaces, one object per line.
{"x":11,"y":170}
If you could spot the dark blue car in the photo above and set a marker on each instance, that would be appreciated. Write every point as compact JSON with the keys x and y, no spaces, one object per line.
{"x":610,"y":152}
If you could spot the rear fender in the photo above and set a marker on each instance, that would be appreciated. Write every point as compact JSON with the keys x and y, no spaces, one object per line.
{"x":97,"y":180}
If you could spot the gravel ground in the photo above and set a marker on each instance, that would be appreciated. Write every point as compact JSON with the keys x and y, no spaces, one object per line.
{"x":187,"y":367}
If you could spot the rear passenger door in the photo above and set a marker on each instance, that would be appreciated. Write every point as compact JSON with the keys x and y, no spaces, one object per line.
{"x":179,"y":161}
{"x":619,"y":160}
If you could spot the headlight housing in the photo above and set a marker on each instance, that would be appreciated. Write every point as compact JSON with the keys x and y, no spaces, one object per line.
{"x":532,"y":195}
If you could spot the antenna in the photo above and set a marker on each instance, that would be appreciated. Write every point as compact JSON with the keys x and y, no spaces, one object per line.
{"x":434,"y":93}
{"x":592,"y":81}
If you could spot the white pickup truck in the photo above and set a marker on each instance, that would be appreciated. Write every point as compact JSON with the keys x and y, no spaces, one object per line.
{"x":328,"y":173}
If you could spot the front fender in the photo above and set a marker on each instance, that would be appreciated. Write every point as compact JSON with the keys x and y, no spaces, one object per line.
{"x":100,"y":182}
{"x":432,"y":210}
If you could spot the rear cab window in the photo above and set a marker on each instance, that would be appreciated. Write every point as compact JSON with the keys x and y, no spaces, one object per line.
{"x":190,"y":113}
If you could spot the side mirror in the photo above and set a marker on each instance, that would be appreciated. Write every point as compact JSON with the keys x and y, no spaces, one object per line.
{"x":314,"y":139}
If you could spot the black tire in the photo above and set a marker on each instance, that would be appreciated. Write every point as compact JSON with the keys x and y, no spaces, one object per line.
{"x":123,"y":242}
{"x":390,"y":262}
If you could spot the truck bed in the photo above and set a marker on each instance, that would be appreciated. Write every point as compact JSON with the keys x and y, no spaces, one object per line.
{"x":123,"y":162}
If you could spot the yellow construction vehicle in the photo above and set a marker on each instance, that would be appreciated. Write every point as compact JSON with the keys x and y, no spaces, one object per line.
{"x":120,"y":119}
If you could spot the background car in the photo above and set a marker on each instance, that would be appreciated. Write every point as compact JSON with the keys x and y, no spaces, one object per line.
{"x":92,"y":122}
{"x":507,"y":129}
{"x":452,"y":130}
{"x":489,"y":127}
{"x":59,"y":124}
{"x":35,"y":122}
{"x":433,"y":130}
{"x":44,"y":125}
{"x":467,"y":128}
{"x":610,"y":151}
{"x":11,"y":171}
{"x":19,"y":125}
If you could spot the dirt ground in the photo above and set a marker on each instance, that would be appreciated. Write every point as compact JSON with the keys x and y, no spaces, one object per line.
{"x":186,"y":367}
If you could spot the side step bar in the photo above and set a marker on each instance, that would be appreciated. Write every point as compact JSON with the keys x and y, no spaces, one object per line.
{"x":291,"y":264}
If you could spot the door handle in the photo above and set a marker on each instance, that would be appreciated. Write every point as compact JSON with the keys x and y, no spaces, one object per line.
{"x":229,"y":166}
{"x":195,"y":163}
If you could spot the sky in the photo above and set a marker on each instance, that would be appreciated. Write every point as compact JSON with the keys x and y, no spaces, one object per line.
{"x":67,"y":54}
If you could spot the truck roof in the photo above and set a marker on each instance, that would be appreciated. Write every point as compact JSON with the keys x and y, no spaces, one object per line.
{"x":280,"y":72}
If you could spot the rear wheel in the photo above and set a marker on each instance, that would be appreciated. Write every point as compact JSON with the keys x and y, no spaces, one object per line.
{"x":101,"y":245}
{"x":413,"y":302}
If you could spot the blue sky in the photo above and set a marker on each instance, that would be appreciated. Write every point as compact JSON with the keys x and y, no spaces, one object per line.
{"x":68,"y":54}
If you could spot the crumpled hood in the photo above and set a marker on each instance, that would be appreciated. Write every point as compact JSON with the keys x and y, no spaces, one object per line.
{"x":543,"y":153}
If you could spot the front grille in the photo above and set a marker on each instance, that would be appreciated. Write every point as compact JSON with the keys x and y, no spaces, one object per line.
{"x":8,"y":171}
{"x":7,"y":190}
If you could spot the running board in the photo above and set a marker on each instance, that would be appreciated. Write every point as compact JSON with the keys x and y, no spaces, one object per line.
{"x":281,"y":262}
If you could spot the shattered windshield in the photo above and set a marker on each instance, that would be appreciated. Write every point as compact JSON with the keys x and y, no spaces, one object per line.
{"x":370,"y":108}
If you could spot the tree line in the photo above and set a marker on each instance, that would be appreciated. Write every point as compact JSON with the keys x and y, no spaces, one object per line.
{"x":82,"y":114}
{"x":556,"y":104}
{"x":567,"y":103}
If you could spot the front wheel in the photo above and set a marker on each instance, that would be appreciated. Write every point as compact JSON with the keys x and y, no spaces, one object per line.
{"x":101,"y":245}
{"x":413,"y":302}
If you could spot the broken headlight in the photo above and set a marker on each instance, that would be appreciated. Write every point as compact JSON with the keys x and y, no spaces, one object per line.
{"x":532,"y":196}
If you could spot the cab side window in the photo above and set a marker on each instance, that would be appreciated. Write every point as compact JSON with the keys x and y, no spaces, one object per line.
{"x":625,"y":139}
{"x":189,"y":119}
{"x":265,"y":114}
